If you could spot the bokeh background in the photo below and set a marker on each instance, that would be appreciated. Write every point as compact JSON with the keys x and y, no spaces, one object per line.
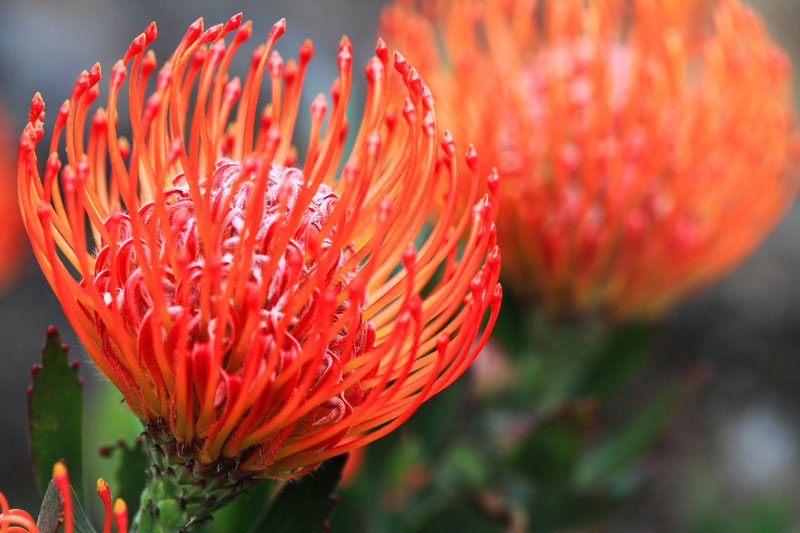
{"x":732,"y":454}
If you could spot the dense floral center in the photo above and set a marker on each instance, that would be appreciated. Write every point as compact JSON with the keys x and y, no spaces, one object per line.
{"x":198,"y":284}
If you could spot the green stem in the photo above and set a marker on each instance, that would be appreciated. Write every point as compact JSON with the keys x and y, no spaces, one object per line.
{"x":180,"y":492}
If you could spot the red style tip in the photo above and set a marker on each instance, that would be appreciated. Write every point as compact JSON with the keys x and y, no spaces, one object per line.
{"x":427,"y":97}
{"x":118,"y":74}
{"x":217,"y":50}
{"x":275,"y":64}
{"x":278,"y":28}
{"x":345,"y":59}
{"x":233,"y":90}
{"x":373,"y":142}
{"x":121,"y":515}
{"x":401,"y":65}
{"x":493,"y":182}
{"x":374,"y":70}
{"x":497,"y":297}
{"x":306,"y":52}
{"x":472,"y":158}
{"x":43,"y":212}
{"x":233,"y":23}
{"x":35,"y":369}
{"x":61,"y":118}
{"x":494,"y":259}
{"x":442,"y":342}
{"x":409,"y":112}
{"x":211,"y":33}
{"x":103,"y":490}
{"x":25,"y":143}
{"x":52,"y":330}
{"x":255,"y":59}
{"x":199,"y":56}
{"x":409,"y":256}
{"x":164,"y":78}
{"x":448,"y":145}
{"x":150,"y":33}
{"x":193,"y":31}
{"x":81,"y":84}
{"x":336,"y":91}
{"x":137,"y":47}
{"x":244,"y":32}
{"x":415,"y":82}
{"x":429,"y":124}
{"x":37,"y":106}
{"x":151,"y":107}
{"x":319,"y":106}
{"x":382,"y":51}
{"x":149,"y":63}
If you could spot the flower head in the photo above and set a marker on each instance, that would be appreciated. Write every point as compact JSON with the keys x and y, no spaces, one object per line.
{"x":646,"y":147}
{"x":252,"y":309}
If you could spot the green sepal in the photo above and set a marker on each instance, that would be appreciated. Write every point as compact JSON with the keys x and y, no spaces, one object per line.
{"x":304,"y":504}
{"x":55,"y":414}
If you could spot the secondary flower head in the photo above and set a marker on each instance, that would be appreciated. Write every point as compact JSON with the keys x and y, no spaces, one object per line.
{"x":255,"y":311}
{"x":646,"y":147}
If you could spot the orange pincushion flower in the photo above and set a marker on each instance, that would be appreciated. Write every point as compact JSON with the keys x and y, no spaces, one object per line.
{"x":247,"y":309}
{"x":646,"y":147}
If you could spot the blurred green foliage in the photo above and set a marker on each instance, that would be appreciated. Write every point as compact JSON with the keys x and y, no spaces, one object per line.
{"x":523,"y":442}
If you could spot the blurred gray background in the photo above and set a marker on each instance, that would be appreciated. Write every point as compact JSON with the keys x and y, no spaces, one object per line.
{"x":736,"y":448}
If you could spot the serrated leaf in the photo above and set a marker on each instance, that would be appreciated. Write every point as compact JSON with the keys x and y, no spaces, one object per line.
{"x":55,"y":414}
{"x":50,"y":511}
{"x":304,"y":504}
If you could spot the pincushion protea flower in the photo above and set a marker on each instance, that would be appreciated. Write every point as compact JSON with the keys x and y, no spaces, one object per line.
{"x":646,"y":147}
{"x":257,"y":316}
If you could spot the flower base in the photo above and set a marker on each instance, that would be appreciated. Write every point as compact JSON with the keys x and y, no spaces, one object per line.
{"x":181,"y":492}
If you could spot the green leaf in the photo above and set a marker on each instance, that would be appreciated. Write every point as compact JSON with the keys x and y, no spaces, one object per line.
{"x":304,"y":504}
{"x":608,"y":461}
{"x":242,"y":513}
{"x":50,"y":511}
{"x":55,"y":414}
{"x":616,"y":362}
{"x":552,"y":447}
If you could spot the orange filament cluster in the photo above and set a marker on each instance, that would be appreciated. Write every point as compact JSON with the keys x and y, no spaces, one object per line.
{"x":19,"y":521}
{"x":261,"y":310}
{"x":646,"y":147}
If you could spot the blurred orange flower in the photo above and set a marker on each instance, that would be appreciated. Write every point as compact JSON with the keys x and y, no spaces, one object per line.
{"x":250,"y":311}
{"x":13,"y":252}
{"x":645,"y":147}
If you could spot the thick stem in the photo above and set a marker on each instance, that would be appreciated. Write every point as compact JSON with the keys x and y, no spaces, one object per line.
{"x":181,"y":492}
